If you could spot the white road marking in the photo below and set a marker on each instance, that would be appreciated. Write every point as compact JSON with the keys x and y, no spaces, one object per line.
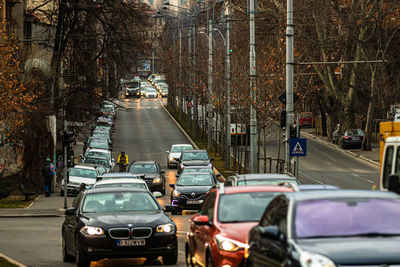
{"x":372,"y":182}
{"x":311,"y":178}
{"x":355,"y":174}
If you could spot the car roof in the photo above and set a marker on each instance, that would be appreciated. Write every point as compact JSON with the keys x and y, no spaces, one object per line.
{"x":332,"y":194}
{"x":121,"y":181}
{"x":195,"y":150}
{"x":87,"y":166}
{"x":118,"y":174}
{"x":115,"y":190}
{"x":181,"y":145}
{"x":144,"y":162}
{"x":305,"y":187}
{"x":256,"y":188}
{"x":265,"y":176}
{"x":99,"y":150}
{"x":198,"y":167}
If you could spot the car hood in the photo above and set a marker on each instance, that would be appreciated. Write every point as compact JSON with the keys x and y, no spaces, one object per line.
{"x":198,"y":190}
{"x":195,"y":162}
{"x":356,"y":250}
{"x":81,"y":180}
{"x":237,"y":231}
{"x":147,"y":175}
{"x":122,"y":219}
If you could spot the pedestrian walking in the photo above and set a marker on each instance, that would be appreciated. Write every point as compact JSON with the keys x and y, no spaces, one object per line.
{"x":122,"y":161}
{"x":48,"y":172}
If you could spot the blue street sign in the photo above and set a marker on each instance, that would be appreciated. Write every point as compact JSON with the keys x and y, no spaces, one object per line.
{"x":298,"y":147}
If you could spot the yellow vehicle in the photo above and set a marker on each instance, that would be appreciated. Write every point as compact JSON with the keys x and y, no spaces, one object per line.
{"x":389,"y":156}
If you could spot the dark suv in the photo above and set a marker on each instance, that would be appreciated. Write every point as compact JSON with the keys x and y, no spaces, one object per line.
{"x":198,"y":157}
{"x":151,"y":173}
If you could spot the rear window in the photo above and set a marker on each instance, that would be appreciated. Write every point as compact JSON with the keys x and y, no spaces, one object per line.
{"x":138,"y":185}
{"x":85,"y":173}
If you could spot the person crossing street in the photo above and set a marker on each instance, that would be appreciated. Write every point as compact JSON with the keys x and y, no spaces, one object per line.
{"x":122,"y":161}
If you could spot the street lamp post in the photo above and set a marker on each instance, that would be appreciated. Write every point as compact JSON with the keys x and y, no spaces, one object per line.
{"x":210,"y":85}
{"x":253,"y":91}
{"x":228,"y":90}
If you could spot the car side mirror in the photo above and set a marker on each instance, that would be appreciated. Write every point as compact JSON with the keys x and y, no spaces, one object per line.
{"x":201,"y":220}
{"x":271,"y":232}
{"x":218,"y":175}
{"x":168,"y":208}
{"x":162,"y":172}
{"x":70,"y":212}
{"x":167,"y":152}
{"x":394,"y":183}
{"x":177,"y":175}
{"x":172,"y":185}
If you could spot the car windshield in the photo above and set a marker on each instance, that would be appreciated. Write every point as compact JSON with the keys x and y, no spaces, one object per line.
{"x":195,"y":156}
{"x":143,"y":168}
{"x":268,"y":182}
{"x":243,"y":207}
{"x":192,"y":170}
{"x":97,"y":154}
{"x":195,"y":180}
{"x":97,"y":144}
{"x":120,"y":201}
{"x":99,"y":161}
{"x":178,"y":149}
{"x":132,"y":84}
{"x":86,"y":173}
{"x":347,"y":217}
{"x":151,"y":90}
{"x":135,"y":185}
{"x":355,"y":132}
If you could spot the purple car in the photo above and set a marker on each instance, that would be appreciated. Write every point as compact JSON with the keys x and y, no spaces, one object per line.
{"x":328,"y":228}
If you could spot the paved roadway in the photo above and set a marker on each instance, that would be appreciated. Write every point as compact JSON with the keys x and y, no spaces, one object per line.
{"x":145,"y":132}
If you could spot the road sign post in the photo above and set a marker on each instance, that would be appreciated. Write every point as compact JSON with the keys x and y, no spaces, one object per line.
{"x":298,"y":147}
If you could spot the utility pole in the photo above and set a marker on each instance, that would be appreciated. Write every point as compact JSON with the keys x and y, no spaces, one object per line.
{"x":253,"y":91}
{"x":210,"y":85}
{"x":289,"y":81}
{"x":180,"y":93}
{"x":152,"y":61}
{"x":189,"y":93}
{"x":65,"y":146}
{"x":195,"y":85}
{"x":228,"y":90}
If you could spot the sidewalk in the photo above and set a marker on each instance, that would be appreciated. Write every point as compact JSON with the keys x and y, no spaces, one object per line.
{"x":372,"y":157}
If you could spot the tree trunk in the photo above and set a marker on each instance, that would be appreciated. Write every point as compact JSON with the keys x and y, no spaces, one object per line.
{"x":366,"y":145}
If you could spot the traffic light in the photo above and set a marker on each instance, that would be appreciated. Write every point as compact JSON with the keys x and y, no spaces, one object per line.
{"x":283,"y":118}
{"x":68,"y":138}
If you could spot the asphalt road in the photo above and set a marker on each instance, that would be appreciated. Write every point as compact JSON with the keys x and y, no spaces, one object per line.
{"x":144,"y":131}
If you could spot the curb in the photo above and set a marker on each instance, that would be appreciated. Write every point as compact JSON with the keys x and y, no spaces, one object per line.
{"x":319,"y":140}
{"x":12,"y":261}
{"x":33,"y":202}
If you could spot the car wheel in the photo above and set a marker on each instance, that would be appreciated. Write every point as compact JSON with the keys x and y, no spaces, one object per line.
{"x":66,"y":256}
{"x":209,"y":260}
{"x":189,"y":259}
{"x":172,"y":258}
{"x":81,"y":260}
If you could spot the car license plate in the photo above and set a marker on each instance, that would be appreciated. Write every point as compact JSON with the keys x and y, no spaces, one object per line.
{"x":191,"y":202}
{"x":131,"y":242}
{"x":356,"y":138}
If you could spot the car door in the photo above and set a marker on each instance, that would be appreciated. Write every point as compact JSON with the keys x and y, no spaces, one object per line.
{"x":202,"y":233}
{"x":71,"y":223}
{"x":260,"y":248}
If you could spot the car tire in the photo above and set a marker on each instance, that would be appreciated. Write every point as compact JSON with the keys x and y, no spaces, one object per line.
{"x":172,"y":258}
{"x":81,"y":260}
{"x":189,"y":258}
{"x":66,"y":257}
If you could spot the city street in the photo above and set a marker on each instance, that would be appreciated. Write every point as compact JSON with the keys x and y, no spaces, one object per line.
{"x":145,"y":131}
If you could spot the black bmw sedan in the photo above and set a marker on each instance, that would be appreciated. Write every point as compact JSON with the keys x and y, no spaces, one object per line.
{"x":329,"y":228}
{"x":189,"y":191}
{"x":117,"y":223}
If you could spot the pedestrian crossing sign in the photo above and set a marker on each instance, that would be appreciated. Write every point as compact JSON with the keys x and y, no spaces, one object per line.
{"x":298,"y":147}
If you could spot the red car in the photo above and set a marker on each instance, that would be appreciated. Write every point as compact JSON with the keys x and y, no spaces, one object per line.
{"x":306,"y":119}
{"x":218,"y":233}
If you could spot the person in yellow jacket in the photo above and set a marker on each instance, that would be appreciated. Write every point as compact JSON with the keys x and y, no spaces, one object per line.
{"x":122,"y":161}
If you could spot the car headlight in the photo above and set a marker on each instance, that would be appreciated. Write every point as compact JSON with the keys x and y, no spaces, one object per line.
{"x":92,"y":231}
{"x":227,"y":244}
{"x":171,"y":158}
{"x":166,"y":228}
{"x":157,"y":180}
{"x":310,"y":259}
{"x":176,"y":193}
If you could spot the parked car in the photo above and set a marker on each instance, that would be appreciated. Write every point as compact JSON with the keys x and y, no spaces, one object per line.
{"x":121,"y":182}
{"x":152,"y":174}
{"x":192,"y":157}
{"x":117,"y":223}
{"x":328,"y":228}
{"x":218,"y":234}
{"x":312,"y":187}
{"x":189,"y":191}
{"x":164,"y":92}
{"x":261,"y":179}
{"x":99,"y":153}
{"x":352,"y":138}
{"x":175,"y":153}
{"x":99,"y":161}
{"x":98,"y":137}
{"x":116,"y":175}
{"x":99,"y":143}
{"x":306,"y":119}
{"x":78,"y":175}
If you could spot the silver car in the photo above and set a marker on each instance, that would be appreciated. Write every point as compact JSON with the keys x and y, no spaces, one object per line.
{"x":175,"y":153}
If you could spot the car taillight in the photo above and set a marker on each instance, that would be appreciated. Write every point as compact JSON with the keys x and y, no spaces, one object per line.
{"x":347,"y":137}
